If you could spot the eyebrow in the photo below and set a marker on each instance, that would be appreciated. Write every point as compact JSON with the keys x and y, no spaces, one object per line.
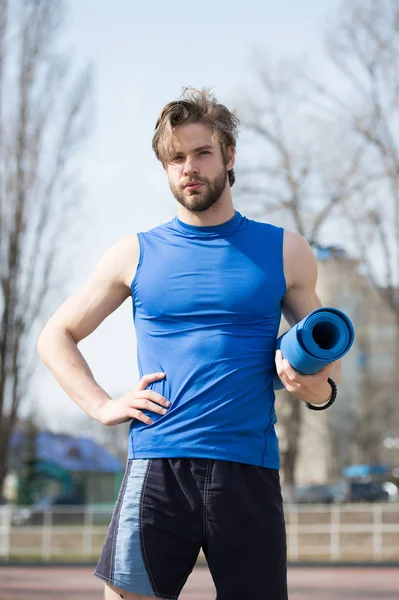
{"x":198,"y":149}
{"x":205,"y":147}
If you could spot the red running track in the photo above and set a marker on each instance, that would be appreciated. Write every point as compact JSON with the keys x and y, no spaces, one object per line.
{"x":305,"y":583}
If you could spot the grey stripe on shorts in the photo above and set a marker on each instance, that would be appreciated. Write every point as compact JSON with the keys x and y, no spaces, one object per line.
{"x":121,"y":562}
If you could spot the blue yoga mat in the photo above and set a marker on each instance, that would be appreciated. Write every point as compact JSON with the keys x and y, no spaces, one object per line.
{"x":325,"y":335}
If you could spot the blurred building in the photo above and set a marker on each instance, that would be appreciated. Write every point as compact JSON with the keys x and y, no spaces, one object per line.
{"x":364,"y":415}
{"x":68,"y":466}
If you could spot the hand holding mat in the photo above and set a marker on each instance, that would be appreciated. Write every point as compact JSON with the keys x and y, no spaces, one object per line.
{"x":322,"y":337}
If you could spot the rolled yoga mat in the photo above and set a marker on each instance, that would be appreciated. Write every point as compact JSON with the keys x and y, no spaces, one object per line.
{"x":325,"y":335}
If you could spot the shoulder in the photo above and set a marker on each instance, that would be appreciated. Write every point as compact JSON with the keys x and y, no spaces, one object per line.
{"x":121,"y":259}
{"x":294,"y":242}
{"x":125,"y":246}
{"x":300,"y":266}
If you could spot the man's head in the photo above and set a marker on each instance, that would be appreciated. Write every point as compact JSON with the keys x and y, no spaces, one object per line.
{"x":195,"y":140}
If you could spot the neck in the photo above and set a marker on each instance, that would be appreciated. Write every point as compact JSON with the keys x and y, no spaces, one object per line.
{"x":222,"y":211}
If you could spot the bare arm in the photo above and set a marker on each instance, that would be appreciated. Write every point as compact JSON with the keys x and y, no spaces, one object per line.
{"x":300,"y":269}
{"x":78,"y":317}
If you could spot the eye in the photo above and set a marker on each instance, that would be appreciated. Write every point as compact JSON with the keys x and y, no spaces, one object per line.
{"x":204,"y":152}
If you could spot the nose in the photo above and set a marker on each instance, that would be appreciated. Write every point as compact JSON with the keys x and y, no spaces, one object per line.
{"x":190,"y":167}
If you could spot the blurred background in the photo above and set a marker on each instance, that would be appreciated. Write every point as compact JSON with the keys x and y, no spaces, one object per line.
{"x":316,"y":87}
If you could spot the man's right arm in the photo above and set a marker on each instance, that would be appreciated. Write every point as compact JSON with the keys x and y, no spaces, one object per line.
{"x":78,"y":317}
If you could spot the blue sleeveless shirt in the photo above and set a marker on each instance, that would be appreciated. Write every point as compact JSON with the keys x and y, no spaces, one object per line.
{"x":207,"y":308}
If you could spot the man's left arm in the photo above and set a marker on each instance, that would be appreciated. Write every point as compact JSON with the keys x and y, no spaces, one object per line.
{"x":300,"y":269}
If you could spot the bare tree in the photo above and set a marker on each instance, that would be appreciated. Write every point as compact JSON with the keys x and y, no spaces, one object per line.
{"x":363,"y":46}
{"x":294,"y":181}
{"x":327,"y":162}
{"x":295,"y":149}
{"x":43,"y":119}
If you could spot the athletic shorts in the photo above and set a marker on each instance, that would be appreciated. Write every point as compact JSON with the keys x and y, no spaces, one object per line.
{"x":168,"y":509}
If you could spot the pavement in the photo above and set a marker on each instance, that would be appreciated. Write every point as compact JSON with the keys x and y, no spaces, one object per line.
{"x":305,"y":583}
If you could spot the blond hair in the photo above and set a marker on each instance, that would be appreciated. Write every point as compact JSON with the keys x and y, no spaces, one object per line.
{"x":196,"y":106}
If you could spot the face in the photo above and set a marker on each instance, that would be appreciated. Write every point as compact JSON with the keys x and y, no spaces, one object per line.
{"x":197,"y":172}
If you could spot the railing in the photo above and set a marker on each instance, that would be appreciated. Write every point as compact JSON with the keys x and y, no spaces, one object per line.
{"x":343,"y":532}
{"x":53,"y":534}
{"x":346,"y":532}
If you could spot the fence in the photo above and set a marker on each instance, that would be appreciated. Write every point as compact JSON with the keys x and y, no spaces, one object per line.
{"x":347,"y":532}
{"x":343,"y":532}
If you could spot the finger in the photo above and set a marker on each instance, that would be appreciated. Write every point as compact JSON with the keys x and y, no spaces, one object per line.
{"x":292,"y":389}
{"x":284,"y":370}
{"x":140,"y":416}
{"x":291,"y":386}
{"x":147,"y":379}
{"x":151,"y":395}
{"x":148,"y":405}
{"x":280,"y":371}
{"x":279,"y":363}
{"x":289,"y":370}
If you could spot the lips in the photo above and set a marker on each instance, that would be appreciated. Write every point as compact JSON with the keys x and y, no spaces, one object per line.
{"x":193,"y":186}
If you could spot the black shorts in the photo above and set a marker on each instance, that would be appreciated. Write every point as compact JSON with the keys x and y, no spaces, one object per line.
{"x":167,"y":509}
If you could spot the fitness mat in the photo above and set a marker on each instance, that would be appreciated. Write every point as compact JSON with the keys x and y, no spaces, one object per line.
{"x":325,"y":335}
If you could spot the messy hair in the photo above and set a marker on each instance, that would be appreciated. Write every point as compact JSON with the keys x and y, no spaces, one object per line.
{"x":196,"y":106}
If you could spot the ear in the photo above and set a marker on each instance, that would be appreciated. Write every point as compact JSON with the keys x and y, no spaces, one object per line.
{"x":231,"y":157}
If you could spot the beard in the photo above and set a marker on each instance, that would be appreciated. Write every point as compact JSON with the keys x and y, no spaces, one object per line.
{"x":203,"y":198}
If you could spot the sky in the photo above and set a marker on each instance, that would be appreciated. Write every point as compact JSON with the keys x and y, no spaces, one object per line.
{"x":143,"y":54}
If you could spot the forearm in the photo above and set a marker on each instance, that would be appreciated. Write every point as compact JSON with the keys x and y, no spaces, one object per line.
{"x":58,"y":350}
{"x":319,"y":394}
{"x":322,"y":388}
{"x":312,"y":389}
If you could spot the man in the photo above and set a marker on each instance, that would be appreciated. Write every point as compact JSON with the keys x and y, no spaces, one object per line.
{"x":208,"y":289}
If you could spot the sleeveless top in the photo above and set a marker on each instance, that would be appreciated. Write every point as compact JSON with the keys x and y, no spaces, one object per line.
{"x":206,"y":309}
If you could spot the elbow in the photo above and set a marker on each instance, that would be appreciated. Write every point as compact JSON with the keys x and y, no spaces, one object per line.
{"x":48,"y":340}
{"x":42,"y":344}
